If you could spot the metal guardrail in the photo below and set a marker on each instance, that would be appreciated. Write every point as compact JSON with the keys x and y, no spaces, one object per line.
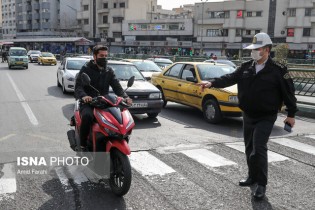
{"x":304,"y":81}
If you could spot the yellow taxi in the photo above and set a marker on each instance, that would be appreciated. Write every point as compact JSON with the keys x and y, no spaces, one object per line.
{"x":179,"y":83}
{"x":46,"y":58}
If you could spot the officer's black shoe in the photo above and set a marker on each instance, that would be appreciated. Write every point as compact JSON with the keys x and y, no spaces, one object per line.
{"x":246,"y":182}
{"x":260,"y":192}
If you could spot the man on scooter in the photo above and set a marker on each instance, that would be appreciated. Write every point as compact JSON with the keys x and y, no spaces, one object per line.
{"x":101,"y":78}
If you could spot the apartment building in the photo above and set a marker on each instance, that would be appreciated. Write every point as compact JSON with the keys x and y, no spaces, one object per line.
{"x":38,"y":18}
{"x":8,"y":19}
{"x":228,"y":26}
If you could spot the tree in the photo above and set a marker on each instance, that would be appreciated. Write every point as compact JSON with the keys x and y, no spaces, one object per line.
{"x":281,"y":53}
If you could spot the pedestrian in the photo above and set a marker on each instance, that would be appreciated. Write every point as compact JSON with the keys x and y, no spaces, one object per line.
{"x":263,"y":87}
{"x":4,"y":56}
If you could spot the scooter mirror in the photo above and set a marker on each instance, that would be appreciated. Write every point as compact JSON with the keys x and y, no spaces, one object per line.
{"x":85,"y":79}
{"x":131,"y":81}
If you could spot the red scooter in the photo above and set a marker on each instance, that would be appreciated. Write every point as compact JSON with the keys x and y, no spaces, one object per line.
{"x":108,"y":139}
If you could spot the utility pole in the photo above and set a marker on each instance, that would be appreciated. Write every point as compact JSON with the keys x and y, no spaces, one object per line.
{"x":203,"y":5}
{"x":94,"y":18}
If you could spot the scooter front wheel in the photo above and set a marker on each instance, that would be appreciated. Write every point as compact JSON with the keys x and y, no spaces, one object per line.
{"x":120,"y":173}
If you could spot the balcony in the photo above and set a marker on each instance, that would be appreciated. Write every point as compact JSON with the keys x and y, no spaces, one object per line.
{"x":103,"y":10}
{"x":36,"y":16}
{"x":36,"y":6}
{"x":36,"y":26}
{"x":45,"y":15}
{"x":45,"y":5}
{"x":46,"y":25}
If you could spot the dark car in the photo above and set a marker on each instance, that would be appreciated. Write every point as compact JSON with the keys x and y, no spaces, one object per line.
{"x":147,"y":99}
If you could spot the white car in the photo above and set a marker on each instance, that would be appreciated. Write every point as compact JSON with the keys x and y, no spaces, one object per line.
{"x":67,"y":71}
{"x":33,"y":55}
{"x":146,"y":67}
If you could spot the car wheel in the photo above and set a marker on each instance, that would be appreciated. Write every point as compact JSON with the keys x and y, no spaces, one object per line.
{"x":152,"y":115}
{"x":26,"y":67}
{"x":64,"y":91}
{"x":163,"y":98}
{"x":211,"y":111}
{"x":38,"y":63}
{"x":10,"y":67}
{"x":58,"y":83}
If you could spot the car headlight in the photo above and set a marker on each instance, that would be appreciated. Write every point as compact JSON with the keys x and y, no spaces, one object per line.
{"x":70,"y":79}
{"x":233,"y":99}
{"x":155,"y":95}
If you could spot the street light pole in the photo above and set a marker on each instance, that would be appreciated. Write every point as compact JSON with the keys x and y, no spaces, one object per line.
{"x":203,"y":5}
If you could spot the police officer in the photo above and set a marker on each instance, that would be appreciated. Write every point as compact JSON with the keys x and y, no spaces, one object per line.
{"x":263,"y":87}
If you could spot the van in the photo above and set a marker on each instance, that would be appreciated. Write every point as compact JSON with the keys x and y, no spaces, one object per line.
{"x":17,"y":57}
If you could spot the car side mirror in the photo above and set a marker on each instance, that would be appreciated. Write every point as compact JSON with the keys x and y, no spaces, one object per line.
{"x":85,"y":79}
{"x":191,"y":79}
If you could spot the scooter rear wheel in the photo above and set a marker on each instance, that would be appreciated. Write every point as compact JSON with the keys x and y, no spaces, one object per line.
{"x":120,"y":173}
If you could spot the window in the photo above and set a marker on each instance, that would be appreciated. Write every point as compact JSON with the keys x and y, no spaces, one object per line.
{"x":217,"y":32}
{"x":308,"y":11}
{"x":173,"y":27}
{"x":290,"y":32}
{"x":105,"y":5}
{"x":257,"y":31}
{"x":118,"y":19}
{"x":174,"y":71}
{"x":258,"y":14}
{"x":115,"y":5}
{"x":105,"y":19}
{"x":219,"y":14}
{"x":188,"y":71}
{"x":249,"y":14}
{"x":239,"y":14}
{"x":292,"y":12}
{"x":306,"y":32}
{"x":248,"y":32}
{"x":116,"y":34}
{"x":86,"y":21}
{"x":238,"y":32}
{"x":85,"y":7}
{"x":122,"y":5}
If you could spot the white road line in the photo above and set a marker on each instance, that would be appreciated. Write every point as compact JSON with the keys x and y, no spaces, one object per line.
{"x":63,"y":179}
{"x":148,"y":165}
{"x":8,"y":181}
{"x":77,"y":174}
{"x":272,"y":156}
{"x":24,"y":104}
{"x":7,"y":137}
{"x":208,"y":158}
{"x":295,"y":145}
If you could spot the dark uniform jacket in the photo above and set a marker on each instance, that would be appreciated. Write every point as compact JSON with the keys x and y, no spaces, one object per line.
{"x":100,"y":79}
{"x":263,"y":93}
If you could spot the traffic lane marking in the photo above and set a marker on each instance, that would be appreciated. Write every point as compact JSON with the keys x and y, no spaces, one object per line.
{"x":7,"y":137}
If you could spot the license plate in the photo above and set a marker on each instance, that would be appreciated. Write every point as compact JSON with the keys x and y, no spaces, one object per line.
{"x":139,"y":105}
{"x":19,"y":62}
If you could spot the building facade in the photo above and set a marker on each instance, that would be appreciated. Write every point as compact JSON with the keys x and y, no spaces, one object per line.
{"x":38,"y":18}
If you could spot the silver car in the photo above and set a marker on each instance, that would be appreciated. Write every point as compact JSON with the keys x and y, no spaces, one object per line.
{"x":67,"y":71}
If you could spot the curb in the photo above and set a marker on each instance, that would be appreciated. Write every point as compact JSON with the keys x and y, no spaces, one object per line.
{"x":306,"y":110}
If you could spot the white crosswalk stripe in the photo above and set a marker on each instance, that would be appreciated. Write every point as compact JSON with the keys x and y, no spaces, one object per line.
{"x":295,"y":145}
{"x":208,"y":158}
{"x":148,"y":165}
{"x":272,"y":156}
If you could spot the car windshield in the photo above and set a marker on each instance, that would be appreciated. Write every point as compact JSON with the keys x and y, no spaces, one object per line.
{"x":47,"y":55}
{"x":208,"y":71}
{"x":124,"y":72}
{"x":147,"y":66}
{"x":226,"y":62}
{"x":18,"y":53}
{"x":75,"y":64}
{"x":162,"y":65}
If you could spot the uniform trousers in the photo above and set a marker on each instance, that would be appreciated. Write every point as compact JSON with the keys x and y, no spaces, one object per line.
{"x":256,"y":135}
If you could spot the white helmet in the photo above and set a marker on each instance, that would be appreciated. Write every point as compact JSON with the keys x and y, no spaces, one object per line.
{"x":260,"y":40}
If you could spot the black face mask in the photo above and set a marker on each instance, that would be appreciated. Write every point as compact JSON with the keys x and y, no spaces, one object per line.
{"x":101,"y":62}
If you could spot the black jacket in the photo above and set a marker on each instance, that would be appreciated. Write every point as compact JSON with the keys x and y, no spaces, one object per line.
{"x":263,"y":93}
{"x":100,"y":79}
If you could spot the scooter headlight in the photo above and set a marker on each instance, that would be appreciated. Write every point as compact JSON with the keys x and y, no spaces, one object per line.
{"x":106,"y":122}
{"x":131,"y":121}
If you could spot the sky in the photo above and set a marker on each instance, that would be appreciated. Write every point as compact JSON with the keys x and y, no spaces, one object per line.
{"x":170,"y":4}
